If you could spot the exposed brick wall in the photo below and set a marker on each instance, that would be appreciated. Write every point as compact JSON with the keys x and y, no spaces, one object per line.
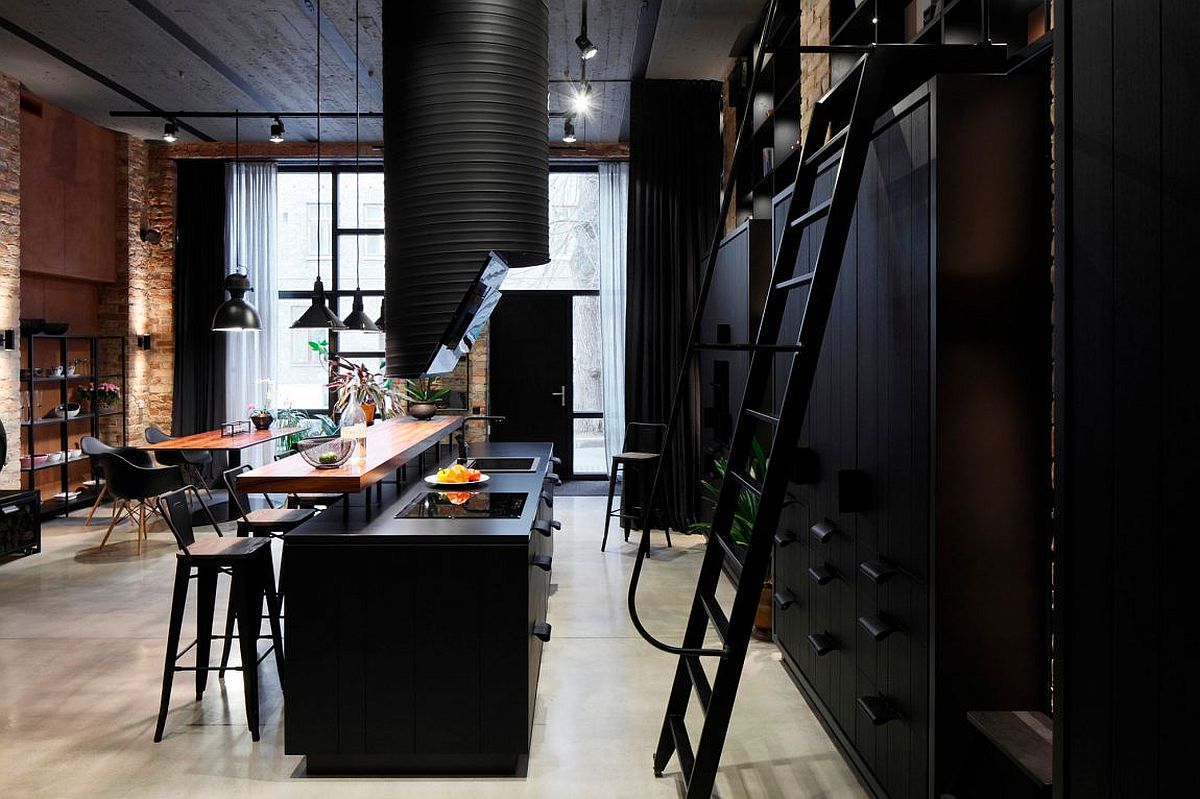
{"x":142,"y":298}
{"x":10,"y":272}
{"x":814,"y":67}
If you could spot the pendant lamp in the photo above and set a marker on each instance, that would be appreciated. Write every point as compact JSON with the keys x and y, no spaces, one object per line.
{"x":319,"y":314}
{"x":235,"y":315}
{"x":357,"y":318}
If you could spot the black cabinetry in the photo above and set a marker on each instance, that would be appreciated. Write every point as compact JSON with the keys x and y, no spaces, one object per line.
{"x":917,"y":550}
{"x":20,"y":523}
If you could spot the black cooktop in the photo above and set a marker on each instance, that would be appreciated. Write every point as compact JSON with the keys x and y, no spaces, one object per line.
{"x":465,"y":505}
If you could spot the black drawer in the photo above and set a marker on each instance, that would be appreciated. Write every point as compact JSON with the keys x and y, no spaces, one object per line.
{"x":20,"y":523}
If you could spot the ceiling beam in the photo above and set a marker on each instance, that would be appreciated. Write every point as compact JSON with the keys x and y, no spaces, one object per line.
{"x":643,"y":45}
{"x":344,"y":50}
{"x":103,"y":80}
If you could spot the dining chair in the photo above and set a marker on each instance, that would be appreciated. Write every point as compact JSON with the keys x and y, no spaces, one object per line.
{"x":135,"y":488}
{"x":93,"y":447}
{"x":191,"y":463}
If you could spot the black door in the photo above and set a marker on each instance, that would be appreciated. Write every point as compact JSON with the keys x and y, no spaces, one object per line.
{"x":530,"y":371}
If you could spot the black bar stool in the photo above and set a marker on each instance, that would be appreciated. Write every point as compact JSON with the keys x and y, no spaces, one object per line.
{"x":247,"y":561}
{"x":641,"y":451}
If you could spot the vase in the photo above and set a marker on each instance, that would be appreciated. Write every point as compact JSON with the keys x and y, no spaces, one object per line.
{"x":353,"y":424}
{"x":262,"y":420}
{"x":422,"y":410}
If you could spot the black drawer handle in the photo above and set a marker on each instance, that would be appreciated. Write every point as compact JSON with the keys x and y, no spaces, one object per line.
{"x":557,"y":461}
{"x":541,"y":527}
{"x":878,"y":625}
{"x":556,"y":524}
{"x":823,"y":574}
{"x":877,"y":709}
{"x":786,"y":538}
{"x":543,"y":562}
{"x":541,"y":631}
{"x":784,"y":599}
{"x":822,"y":643}
{"x":877,"y":571}
{"x":823,"y":531}
{"x":554,"y":478}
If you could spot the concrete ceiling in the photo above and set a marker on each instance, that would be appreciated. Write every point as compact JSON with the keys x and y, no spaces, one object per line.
{"x":224,"y":54}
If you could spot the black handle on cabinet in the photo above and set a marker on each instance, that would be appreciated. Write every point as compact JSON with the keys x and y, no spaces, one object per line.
{"x":877,"y":571}
{"x":784,"y":599}
{"x":823,"y":531}
{"x":877,"y":709}
{"x":822,"y":574}
{"x":822,"y":643}
{"x":556,"y":524}
{"x":554,"y":478}
{"x":543,"y":562}
{"x":878,"y":625}
{"x":785,"y":538}
{"x":557,"y":461}
{"x":541,"y":527}
{"x":541,"y":631}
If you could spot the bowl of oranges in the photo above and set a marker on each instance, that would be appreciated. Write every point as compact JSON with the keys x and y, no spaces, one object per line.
{"x":458,"y":474}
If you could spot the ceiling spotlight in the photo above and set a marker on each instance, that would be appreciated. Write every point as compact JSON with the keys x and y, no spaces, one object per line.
{"x":582,"y":100}
{"x":568,"y":136}
{"x":587,"y":50}
{"x":277,"y":130}
{"x":170,"y":132}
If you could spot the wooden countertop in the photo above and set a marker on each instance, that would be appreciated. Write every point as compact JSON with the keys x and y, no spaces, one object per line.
{"x":214,"y":440}
{"x":390,"y":444}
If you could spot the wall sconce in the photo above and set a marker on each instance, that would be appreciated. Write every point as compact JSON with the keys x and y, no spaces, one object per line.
{"x":9,"y":339}
{"x":143,"y":341}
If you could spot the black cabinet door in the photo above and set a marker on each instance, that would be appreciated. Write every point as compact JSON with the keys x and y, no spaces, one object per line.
{"x":530,"y":371}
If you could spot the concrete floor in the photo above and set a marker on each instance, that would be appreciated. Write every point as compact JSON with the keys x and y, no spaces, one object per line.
{"x":81,"y":651}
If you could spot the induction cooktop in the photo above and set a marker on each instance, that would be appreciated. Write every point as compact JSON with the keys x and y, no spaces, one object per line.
{"x":465,"y":505}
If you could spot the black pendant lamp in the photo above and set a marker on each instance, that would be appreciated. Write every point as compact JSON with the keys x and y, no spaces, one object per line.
{"x":319,"y":314}
{"x":357,"y":318}
{"x":235,"y":315}
{"x":381,"y":322}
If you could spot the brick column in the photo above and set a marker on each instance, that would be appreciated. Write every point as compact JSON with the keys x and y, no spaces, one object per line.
{"x":10,"y":273}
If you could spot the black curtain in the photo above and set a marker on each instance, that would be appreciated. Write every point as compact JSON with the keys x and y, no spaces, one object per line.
{"x":199,"y":289}
{"x":674,"y":196}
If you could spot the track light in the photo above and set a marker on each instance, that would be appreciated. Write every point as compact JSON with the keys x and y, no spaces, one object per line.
{"x":587,"y":50}
{"x":582,"y":100}
{"x":170,"y":132}
{"x":277,"y":130}
{"x":568,"y":136}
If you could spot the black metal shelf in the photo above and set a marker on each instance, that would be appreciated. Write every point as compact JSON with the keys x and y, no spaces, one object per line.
{"x":55,"y":465}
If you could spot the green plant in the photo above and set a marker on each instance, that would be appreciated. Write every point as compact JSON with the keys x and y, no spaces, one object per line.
{"x":347,"y":377}
{"x":746,"y":510}
{"x":424,"y":390}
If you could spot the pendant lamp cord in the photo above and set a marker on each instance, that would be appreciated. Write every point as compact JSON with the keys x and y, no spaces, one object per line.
{"x":357,"y":168}
{"x":319,"y":197}
{"x":237,"y":191}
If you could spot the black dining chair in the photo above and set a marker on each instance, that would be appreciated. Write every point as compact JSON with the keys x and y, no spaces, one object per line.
{"x":639,"y":454}
{"x":248,"y":563}
{"x":93,"y":448}
{"x":135,"y":488}
{"x":191,"y":463}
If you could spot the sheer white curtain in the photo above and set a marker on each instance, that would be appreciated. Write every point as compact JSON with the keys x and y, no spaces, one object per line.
{"x":251,"y":195}
{"x":613,"y":223}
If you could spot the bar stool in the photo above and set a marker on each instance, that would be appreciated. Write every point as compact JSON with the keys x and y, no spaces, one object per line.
{"x":270,"y":521}
{"x":641,"y":451}
{"x":247,"y":561}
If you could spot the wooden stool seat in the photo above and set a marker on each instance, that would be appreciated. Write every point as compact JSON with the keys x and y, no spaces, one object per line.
{"x":639,"y":455}
{"x":1024,"y":737}
{"x":635,"y":457}
{"x":229,"y":549}
{"x":278,"y":519}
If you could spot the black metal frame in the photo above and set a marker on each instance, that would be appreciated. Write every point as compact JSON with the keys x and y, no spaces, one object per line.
{"x":53,"y":507}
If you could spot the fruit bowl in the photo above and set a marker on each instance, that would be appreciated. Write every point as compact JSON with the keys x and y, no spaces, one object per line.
{"x":326,"y":454}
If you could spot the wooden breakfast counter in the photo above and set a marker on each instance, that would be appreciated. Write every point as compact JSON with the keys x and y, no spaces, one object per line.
{"x":390,"y":444}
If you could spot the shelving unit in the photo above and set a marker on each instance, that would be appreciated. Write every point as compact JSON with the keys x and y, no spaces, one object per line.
{"x":42,"y":432}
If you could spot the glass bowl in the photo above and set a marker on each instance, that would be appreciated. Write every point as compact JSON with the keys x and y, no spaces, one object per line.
{"x":328,"y":454}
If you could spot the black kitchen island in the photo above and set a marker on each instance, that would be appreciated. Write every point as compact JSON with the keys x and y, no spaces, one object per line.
{"x":414,"y":643}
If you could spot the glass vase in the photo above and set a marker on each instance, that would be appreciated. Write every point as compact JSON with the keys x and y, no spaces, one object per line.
{"x":353,"y":424}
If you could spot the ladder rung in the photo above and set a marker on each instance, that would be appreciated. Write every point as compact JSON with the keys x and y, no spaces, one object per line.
{"x":762,"y":417}
{"x":683,"y":746}
{"x":719,"y":620}
{"x":793,"y":282}
{"x":732,"y":557}
{"x":834,"y":142}
{"x":699,"y":680}
{"x":818,"y":211}
{"x":746,"y":482}
{"x":712,"y":345}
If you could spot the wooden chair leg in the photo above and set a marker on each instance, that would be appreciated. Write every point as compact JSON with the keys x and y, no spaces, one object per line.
{"x":111,"y":525}
{"x":95,"y":505}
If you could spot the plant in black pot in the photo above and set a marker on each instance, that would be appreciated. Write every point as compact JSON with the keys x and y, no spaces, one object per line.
{"x":423,"y":396}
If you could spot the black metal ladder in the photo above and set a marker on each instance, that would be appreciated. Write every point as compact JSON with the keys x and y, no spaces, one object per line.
{"x":841,"y":127}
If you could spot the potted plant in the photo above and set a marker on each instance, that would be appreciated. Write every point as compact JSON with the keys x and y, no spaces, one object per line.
{"x":261,"y":418}
{"x":744,"y":515}
{"x":423,"y":395}
{"x":373,"y":390}
{"x":102,"y":395}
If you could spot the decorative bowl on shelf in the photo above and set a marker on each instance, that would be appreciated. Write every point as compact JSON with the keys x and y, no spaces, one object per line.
{"x":68,"y":410}
{"x":56,"y":328}
{"x":329,"y":454}
{"x":51,"y":457}
{"x":30,"y":327}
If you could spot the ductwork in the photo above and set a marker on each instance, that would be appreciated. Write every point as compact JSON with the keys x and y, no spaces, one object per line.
{"x":466,"y":158}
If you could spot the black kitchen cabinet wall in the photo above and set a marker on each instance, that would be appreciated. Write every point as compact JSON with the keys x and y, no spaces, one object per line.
{"x":918,"y":542}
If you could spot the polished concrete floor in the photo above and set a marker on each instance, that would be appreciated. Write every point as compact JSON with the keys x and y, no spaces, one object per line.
{"x":81,"y":651}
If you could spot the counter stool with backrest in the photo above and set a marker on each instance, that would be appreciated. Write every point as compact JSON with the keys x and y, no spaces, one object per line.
{"x":93,"y":447}
{"x":247,"y":561}
{"x":192,"y":464}
{"x":640,"y":453}
{"x":269,"y":521}
{"x":135,"y":488}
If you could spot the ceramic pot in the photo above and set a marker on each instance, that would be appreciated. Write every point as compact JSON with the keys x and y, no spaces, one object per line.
{"x":369,"y":412}
{"x":262,"y":420}
{"x":763,"y":614}
{"x":422,"y":410}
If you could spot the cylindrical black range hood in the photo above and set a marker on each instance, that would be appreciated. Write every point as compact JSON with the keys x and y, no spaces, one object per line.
{"x":466,"y":157}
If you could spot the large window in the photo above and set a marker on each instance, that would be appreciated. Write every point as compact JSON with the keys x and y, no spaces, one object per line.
{"x":336,"y":223}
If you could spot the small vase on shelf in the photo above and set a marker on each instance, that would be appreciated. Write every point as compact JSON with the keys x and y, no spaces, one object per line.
{"x":262,"y":420}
